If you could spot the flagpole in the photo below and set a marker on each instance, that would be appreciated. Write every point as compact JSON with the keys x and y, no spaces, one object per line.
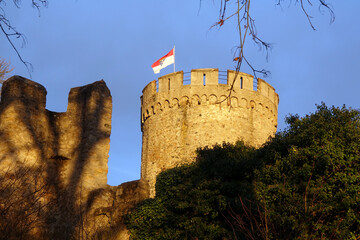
{"x":174,"y":58}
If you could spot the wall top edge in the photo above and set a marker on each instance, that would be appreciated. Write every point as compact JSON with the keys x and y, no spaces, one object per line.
{"x":207,"y":78}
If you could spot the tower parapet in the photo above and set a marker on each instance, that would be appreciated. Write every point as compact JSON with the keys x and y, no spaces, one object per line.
{"x":178,"y":116}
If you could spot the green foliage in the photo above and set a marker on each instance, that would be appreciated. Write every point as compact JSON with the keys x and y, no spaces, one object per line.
{"x":310,"y":183}
{"x":191,"y":200}
{"x":304,"y":183}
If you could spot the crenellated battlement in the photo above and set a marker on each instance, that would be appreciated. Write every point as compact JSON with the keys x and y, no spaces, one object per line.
{"x":207,"y":87}
{"x":207,"y":78}
{"x":181,"y":112}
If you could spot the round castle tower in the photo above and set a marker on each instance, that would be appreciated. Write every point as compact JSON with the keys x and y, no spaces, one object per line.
{"x":181,"y":115}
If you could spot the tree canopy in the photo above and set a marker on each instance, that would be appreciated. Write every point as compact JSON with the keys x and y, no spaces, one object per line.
{"x":310,"y":180}
{"x":304,"y":183}
{"x":191,"y":199}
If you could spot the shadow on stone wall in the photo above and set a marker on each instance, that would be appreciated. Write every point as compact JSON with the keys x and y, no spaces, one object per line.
{"x":65,"y":155}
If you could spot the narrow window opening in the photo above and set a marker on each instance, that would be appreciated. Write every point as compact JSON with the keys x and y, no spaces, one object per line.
{"x":204,"y":79}
{"x":241,"y":83}
{"x":169,"y":84}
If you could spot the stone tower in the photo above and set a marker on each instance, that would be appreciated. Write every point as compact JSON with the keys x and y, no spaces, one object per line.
{"x":179,"y":115}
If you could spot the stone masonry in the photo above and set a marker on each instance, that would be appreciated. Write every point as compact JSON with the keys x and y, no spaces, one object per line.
{"x":177,"y":119}
{"x":72,"y":148}
{"x":178,"y":116}
{"x":78,"y":138}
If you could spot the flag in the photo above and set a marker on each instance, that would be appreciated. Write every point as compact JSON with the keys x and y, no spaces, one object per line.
{"x":164,"y":61}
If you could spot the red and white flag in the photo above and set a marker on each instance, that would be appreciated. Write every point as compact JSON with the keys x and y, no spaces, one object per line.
{"x":164,"y":61}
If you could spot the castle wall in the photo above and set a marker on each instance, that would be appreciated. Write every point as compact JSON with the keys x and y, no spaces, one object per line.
{"x":73,"y":146}
{"x":71,"y":149}
{"x":177,"y":119}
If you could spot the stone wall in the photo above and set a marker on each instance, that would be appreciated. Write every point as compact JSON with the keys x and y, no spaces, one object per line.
{"x":71,"y":150}
{"x":72,"y":147}
{"x":76,"y":141}
{"x":176,"y":118}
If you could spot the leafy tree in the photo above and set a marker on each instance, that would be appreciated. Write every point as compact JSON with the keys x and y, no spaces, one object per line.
{"x":310,"y":182}
{"x":192,"y":200}
{"x":304,"y":183}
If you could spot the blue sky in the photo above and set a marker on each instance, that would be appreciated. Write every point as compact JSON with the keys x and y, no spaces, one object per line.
{"x":77,"y":42}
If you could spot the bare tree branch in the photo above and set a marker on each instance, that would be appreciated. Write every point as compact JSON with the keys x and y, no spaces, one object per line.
{"x":247,"y":28}
{"x":10,"y":32}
